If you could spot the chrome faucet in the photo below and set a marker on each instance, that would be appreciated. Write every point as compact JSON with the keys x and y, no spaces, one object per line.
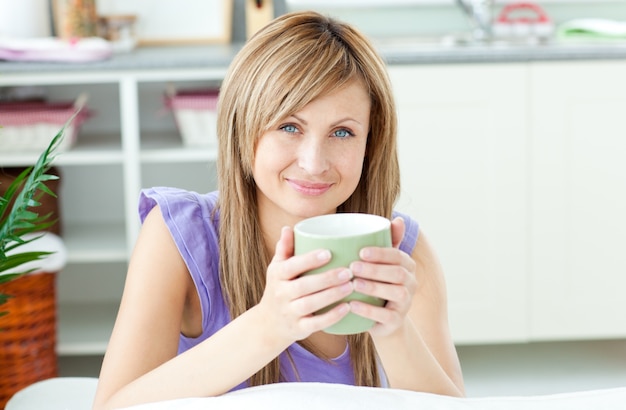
{"x":479,"y":12}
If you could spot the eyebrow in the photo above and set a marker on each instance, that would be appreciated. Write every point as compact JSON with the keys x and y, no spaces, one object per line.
{"x":302,"y":120}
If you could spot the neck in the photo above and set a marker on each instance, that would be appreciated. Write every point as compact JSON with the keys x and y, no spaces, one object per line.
{"x":271,"y":221}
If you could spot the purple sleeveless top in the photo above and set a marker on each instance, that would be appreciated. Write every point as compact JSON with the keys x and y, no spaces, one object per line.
{"x":188,"y":216}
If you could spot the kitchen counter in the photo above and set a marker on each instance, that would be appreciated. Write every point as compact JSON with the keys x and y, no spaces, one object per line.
{"x":408,"y":52}
{"x":394,"y":51}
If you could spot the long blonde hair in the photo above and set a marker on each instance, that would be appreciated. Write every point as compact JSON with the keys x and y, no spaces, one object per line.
{"x":292,"y":61}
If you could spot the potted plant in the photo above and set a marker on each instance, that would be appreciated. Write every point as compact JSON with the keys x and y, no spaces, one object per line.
{"x":27,"y":302}
{"x":19,"y":220}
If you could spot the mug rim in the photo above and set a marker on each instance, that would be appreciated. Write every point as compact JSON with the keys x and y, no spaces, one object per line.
{"x":367,"y":224}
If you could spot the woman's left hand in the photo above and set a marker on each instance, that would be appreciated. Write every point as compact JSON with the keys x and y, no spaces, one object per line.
{"x":389,"y":274}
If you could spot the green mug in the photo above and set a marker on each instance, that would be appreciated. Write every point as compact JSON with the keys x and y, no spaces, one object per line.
{"x":344,"y":235}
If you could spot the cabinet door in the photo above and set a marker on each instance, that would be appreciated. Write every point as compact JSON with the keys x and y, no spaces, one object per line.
{"x":578,"y":240}
{"x":462,"y":133}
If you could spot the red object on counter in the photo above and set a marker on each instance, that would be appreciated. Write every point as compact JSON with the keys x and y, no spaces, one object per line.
{"x":523,"y":20}
{"x":506,"y":18}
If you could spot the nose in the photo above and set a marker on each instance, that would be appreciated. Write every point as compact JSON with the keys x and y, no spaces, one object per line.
{"x":313,"y":156}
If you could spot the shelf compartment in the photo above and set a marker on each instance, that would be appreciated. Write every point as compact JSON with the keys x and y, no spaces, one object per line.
{"x":102,"y":149}
{"x":85,"y":328}
{"x":162,"y":148}
{"x":91,"y":150}
{"x":95,"y":242}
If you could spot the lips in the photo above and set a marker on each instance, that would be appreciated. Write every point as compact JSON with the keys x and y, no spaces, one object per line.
{"x":308,"y":187}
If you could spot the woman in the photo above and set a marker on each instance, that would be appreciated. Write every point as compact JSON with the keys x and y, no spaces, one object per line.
{"x":215,"y":300}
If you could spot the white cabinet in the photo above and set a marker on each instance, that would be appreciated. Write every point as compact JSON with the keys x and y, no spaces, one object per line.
{"x":129,"y":144}
{"x":463,"y":157}
{"x":578,"y":200}
{"x":517,"y":173}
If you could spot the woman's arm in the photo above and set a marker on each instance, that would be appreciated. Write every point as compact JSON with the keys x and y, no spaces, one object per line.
{"x":412,"y":337}
{"x":141,"y":363}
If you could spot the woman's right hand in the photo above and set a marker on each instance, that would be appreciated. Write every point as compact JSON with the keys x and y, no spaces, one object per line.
{"x":290,"y":298}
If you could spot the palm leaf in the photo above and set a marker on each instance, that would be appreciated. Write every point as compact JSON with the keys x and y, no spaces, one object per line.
{"x":19,"y":219}
{"x":16,"y":221}
{"x":17,"y":260}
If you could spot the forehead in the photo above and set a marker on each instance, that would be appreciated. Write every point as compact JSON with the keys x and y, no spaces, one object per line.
{"x":351,"y":97}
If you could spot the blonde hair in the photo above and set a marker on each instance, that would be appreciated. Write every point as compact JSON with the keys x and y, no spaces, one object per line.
{"x":292,"y":61}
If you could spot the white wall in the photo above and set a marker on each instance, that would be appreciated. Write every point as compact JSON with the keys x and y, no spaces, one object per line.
{"x":420,"y":17}
{"x":383,"y":18}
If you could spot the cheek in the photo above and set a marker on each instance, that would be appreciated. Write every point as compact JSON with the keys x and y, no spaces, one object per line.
{"x":269,"y":157}
{"x":351,"y":165}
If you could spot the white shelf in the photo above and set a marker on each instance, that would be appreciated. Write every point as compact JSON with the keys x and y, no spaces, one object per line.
{"x":95,"y":242}
{"x":85,"y":329}
{"x":94,"y":150}
{"x":159,"y":148}
{"x":123,"y":160}
{"x":91,"y":150}
{"x":107,"y":150}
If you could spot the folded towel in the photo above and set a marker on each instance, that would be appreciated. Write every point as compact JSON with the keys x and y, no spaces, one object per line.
{"x":55,"y":49}
{"x":592,"y":29}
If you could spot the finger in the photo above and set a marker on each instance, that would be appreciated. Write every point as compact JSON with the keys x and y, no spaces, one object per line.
{"x":397,"y":231}
{"x":392,"y":293}
{"x":293,"y":267}
{"x":310,"y":284}
{"x":380,"y":315}
{"x":284,"y":246}
{"x":315,"y":323}
{"x":312,"y":303}
{"x":391,"y":270}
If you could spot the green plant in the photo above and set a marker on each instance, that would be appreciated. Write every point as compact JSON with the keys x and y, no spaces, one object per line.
{"x":20,"y":219}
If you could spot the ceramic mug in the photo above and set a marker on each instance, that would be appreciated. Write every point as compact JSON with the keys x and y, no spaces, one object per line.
{"x":344,"y":235}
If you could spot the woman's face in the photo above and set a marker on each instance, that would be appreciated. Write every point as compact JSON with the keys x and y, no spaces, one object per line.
{"x":311,"y":161}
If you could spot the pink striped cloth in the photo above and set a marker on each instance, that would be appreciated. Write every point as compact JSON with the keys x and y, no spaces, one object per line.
{"x":55,"y":49}
{"x":36,"y":112}
{"x":193,"y":99}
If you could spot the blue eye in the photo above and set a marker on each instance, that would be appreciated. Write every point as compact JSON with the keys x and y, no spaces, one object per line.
{"x":343,"y":133}
{"x":289,"y":128}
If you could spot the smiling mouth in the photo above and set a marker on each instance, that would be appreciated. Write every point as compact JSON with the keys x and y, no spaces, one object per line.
{"x":309,"y":188}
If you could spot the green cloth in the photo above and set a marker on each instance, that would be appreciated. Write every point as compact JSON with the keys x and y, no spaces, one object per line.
{"x":592,"y":29}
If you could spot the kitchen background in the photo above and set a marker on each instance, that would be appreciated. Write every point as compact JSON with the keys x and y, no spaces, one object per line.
{"x":538,"y":141}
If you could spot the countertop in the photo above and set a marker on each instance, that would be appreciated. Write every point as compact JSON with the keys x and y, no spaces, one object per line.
{"x":394,"y":51}
{"x":407,"y":52}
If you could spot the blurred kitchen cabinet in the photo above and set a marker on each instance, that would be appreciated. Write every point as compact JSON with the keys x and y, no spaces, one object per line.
{"x":463,"y":157}
{"x":578,"y":200}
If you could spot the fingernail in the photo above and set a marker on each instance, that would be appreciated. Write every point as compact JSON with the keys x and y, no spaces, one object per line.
{"x":347,"y":287}
{"x":365,"y":253}
{"x":356,"y":267}
{"x":343,"y":308}
{"x":324,"y":255}
{"x":345,"y":274}
{"x":355,"y":307}
{"x":359,"y":284}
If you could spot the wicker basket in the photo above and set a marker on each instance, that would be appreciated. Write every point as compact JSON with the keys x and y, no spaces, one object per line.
{"x":27,"y":333}
{"x":195,"y":114}
{"x":29,"y":126}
